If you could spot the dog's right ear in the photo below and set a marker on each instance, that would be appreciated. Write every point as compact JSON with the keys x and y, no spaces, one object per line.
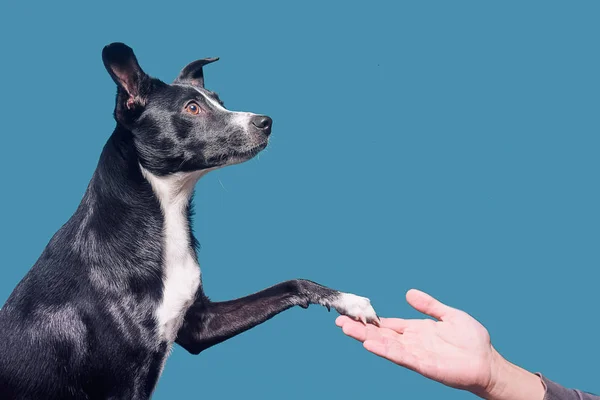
{"x":123,"y":67}
{"x":193,"y":72}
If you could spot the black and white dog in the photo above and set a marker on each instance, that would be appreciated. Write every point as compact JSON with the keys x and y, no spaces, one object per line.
{"x":119,"y":283}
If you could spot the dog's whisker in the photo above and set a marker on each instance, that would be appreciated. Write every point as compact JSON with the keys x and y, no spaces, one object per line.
{"x":223,"y":186}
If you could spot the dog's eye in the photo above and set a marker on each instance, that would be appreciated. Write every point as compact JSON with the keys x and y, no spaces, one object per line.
{"x":192,"y":108}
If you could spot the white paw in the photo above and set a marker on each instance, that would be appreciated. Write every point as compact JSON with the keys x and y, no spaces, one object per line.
{"x":355,"y":307}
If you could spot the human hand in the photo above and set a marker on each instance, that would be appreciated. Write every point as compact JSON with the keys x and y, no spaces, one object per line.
{"x":453,"y":349}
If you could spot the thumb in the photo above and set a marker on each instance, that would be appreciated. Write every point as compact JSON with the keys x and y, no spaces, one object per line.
{"x":426,"y":304}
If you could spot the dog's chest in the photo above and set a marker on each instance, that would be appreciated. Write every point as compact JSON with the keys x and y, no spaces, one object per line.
{"x":181,"y":278}
{"x":181,"y":272}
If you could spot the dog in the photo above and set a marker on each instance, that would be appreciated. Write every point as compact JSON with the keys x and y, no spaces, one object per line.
{"x":119,"y":283}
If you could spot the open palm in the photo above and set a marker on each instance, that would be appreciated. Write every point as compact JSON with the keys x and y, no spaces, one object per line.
{"x":453,"y":349}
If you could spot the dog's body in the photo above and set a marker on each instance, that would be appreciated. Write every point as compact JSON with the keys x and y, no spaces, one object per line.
{"x":119,"y":283}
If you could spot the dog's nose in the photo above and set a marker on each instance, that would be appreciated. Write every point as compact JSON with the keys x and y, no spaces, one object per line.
{"x":263,"y":123}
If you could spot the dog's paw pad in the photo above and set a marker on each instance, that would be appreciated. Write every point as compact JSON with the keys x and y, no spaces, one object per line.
{"x":356,"y":307}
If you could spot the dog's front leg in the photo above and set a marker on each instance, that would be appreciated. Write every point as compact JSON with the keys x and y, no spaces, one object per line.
{"x":208,"y":323}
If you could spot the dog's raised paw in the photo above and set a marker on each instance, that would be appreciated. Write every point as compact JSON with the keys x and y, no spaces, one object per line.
{"x":356,"y":307}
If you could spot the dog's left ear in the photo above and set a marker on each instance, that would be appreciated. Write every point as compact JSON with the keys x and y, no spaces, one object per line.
{"x":192,"y":74}
{"x":123,"y":67}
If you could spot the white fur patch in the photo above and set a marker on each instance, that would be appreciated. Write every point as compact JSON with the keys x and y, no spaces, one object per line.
{"x":354,"y":306}
{"x":212,"y":101}
{"x":181,"y":274}
{"x":242,"y":119}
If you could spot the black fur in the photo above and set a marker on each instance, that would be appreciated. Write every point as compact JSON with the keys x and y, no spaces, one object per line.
{"x":81,"y":324}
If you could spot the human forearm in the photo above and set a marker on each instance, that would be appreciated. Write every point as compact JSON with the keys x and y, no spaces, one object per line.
{"x":511,"y":382}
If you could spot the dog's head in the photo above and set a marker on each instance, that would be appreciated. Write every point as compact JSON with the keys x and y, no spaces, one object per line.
{"x":180,"y":127}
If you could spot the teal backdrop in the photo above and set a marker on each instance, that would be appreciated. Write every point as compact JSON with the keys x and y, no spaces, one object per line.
{"x":446,"y":146}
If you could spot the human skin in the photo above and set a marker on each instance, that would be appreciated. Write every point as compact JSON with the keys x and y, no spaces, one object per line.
{"x":453,"y":349}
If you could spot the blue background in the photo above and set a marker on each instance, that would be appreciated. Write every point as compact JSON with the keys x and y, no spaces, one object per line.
{"x":447,"y":146}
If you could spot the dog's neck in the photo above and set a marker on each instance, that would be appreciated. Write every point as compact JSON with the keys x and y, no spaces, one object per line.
{"x":125,"y":205}
{"x":120,"y":173}
{"x":174,"y":190}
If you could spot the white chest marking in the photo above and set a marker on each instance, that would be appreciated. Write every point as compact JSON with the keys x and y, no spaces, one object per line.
{"x":181,"y":272}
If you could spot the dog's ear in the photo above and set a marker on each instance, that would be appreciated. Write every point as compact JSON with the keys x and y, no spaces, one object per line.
{"x":192,"y":73}
{"x":123,"y":67}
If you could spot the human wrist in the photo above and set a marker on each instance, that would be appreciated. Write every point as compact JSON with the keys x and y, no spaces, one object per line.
{"x":510,"y":382}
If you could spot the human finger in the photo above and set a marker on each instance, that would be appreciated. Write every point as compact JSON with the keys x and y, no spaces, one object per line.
{"x":426,"y":304}
{"x":395,"y":324}
{"x":362,"y":332}
{"x":355,"y":330}
{"x":342,"y":319}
